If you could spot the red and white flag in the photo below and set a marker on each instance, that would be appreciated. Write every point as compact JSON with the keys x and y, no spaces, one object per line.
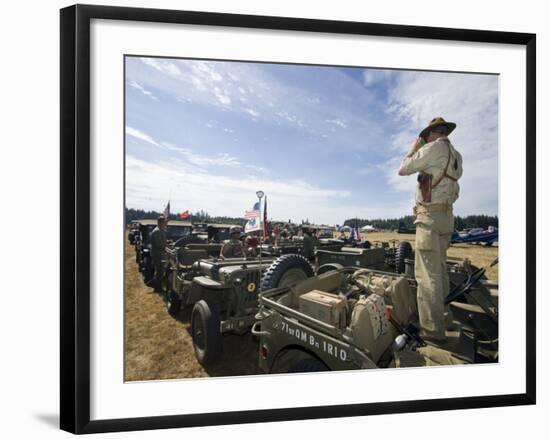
{"x":184,"y":215}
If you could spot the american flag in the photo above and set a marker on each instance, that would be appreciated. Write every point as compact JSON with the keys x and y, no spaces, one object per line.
{"x":254,"y":212}
{"x":166,"y":212}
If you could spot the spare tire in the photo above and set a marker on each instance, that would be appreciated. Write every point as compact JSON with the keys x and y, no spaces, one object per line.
{"x":286,"y":270}
{"x":403,"y":251}
{"x":329,"y":267}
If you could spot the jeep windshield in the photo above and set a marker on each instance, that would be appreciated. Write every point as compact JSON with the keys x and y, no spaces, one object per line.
{"x":176,"y":232}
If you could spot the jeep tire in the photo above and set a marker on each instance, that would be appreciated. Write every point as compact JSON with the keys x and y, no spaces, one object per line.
{"x":308,"y":364}
{"x":286,"y":270}
{"x":402,"y":252}
{"x":205,"y":331}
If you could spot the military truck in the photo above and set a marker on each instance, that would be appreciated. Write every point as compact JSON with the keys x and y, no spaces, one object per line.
{"x":355,"y":318}
{"x":223,"y":293}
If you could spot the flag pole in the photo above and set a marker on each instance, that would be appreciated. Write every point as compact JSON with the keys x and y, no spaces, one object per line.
{"x":260,"y":195}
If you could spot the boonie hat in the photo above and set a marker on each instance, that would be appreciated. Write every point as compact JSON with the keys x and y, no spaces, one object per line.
{"x":436,"y":122}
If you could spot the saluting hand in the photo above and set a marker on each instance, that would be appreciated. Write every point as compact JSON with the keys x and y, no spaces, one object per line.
{"x":415,"y":146}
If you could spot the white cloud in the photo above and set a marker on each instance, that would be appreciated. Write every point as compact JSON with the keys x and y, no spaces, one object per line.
{"x":201,"y":160}
{"x":376,"y":76}
{"x":337,"y":122}
{"x":140,"y":135}
{"x":252,"y":112}
{"x":187,"y":154}
{"x":163,"y":66}
{"x":227,"y":85}
{"x":222,"y":96}
{"x":137,"y":86}
{"x":206,"y":71}
{"x":226,"y":195}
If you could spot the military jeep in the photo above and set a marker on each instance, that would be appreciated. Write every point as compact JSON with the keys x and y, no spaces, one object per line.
{"x":223,"y":293}
{"x":179,"y":232}
{"x":355,"y":318}
{"x":380,"y":255}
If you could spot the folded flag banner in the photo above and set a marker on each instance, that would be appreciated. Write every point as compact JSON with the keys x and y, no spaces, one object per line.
{"x":253,"y":225}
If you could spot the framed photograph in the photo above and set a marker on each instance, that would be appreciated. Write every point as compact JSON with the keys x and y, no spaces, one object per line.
{"x":272,"y":218}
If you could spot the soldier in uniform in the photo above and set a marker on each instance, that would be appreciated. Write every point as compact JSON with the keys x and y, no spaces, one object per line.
{"x":233,"y":248}
{"x":158,"y":248}
{"x":439,"y":166}
{"x":343,"y":236}
{"x":310,"y":243}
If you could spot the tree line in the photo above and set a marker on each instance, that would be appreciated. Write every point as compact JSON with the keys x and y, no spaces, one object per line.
{"x":406,"y":222}
{"x":200,"y":216}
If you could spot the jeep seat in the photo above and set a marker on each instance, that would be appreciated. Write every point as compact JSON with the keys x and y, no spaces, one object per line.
{"x":187,"y":257}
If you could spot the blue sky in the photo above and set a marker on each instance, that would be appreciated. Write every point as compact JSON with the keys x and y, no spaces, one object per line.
{"x":323,"y":143}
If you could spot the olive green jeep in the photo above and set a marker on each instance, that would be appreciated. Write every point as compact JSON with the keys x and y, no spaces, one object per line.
{"x":356,"y":318}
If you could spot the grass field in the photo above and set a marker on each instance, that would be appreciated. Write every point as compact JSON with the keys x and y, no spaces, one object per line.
{"x":158,"y":346}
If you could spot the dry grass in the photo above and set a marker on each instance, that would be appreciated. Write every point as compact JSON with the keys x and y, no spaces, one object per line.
{"x":479,"y":255}
{"x":158,"y":346}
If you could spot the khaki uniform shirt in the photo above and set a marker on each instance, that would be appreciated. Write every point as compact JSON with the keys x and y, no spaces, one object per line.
{"x":232,"y":249}
{"x":432,"y":159}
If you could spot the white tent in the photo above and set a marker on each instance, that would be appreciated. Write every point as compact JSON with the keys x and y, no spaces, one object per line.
{"x":368,"y":228}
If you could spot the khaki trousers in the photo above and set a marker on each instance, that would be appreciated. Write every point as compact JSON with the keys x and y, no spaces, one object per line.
{"x":434,"y":227}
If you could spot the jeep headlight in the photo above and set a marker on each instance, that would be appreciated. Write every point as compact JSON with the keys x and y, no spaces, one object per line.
{"x":238,"y":281}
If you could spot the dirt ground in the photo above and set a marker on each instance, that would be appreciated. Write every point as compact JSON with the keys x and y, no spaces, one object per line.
{"x":158,"y":346}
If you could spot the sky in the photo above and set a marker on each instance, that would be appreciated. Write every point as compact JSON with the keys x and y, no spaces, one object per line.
{"x":324,"y":143}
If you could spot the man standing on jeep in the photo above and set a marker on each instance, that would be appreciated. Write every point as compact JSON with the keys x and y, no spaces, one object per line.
{"x":439,"y":166}
{"x":233,"y":248}
{"x":158,"y":248}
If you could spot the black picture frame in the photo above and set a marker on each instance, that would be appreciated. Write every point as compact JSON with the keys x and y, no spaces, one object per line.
{"x":75,"y":217}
